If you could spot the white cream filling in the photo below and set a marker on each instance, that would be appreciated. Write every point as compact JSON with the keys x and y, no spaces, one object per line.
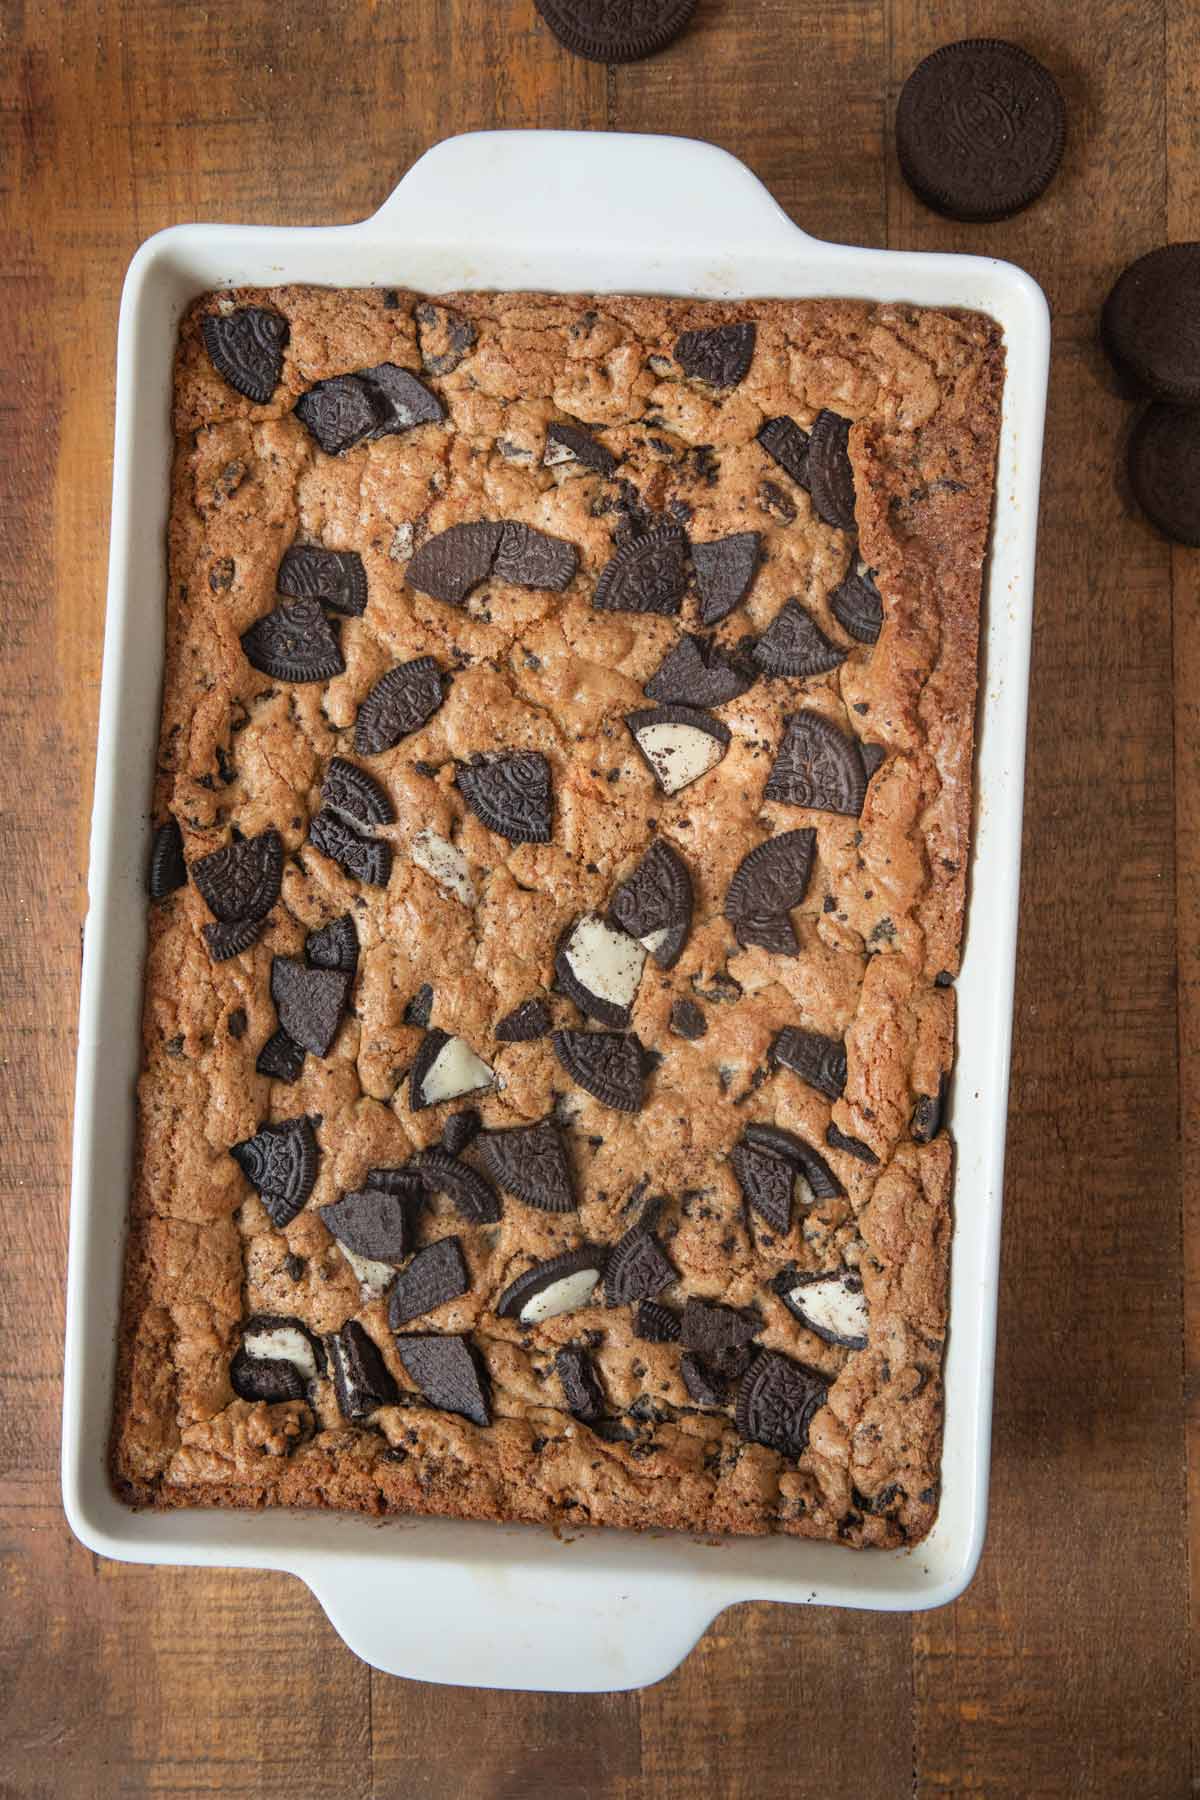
{"x":401,"y":546}
{"x":373,"y":1276}
{"x":557,"y":453}
{"x":679,"y":754}
{"x":444,"y":863}
{"x":604,"y":961}
{"x":455,"y":1070}
{"x":572,"y":1292}
{"x":654,"y":940}
{"x":831,"y":1306}
{"x":282,"y":1344}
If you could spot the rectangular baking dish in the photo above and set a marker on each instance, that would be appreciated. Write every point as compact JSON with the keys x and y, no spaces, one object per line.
{"x":440,"y":1599}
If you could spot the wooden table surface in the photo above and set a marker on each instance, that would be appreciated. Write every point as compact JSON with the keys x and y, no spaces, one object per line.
{"x":1065,"y":1668}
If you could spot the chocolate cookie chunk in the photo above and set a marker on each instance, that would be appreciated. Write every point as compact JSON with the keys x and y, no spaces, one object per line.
{"x":704,"y":1384}
{"x":563,"y":1284}
{"x":679,"y":743}
{"x":334,"y":577}
{"x":168,"y":870}
{"x":372,"y":1223}
{"x":656,"y":1324}
{"x":714,"y":1330}
{"x":435,"y":1275}
{"x":295,"y":642}
{"x":608,"y":1065}
{"x":773,"y":877}
{"x":310,"y":1002}
{"x":449,"y":565}
{"x":524,"y":1023}
{"x":1164,"y":470}
{"x":840,"y":1140}
{"x":688,"y":1020}
{"x":698,"y":672}
{"x":580,"y":1383}
{"x":511,"y":794}
{"x":725,"y":571}
{"x":980,"y":129}
{"x":246,"y":347}
{"x":334,"y":946}
{"x":567,"y":442}
{"x":599,"y":967}
{"x":721,"y":355}
{"x":450,"y":1374}
{"x":341,"y":412}
{"x":278,"y":1359}
{"x":647,"y":575}
{"x":531,"y":1162}
{"x":460,"y":1130}
{"x":362,"y":1380}
{"x":534,"y":559}
{"x":809,"y":1164}
{"x":1151,"y":322}
{"x":929,"y":1113}
{"x":280,"y":1059}
{"x":637,"y":1267}
{"x":654,"y":904}
{"x":356,"y":796}
{"x":794,"y":644}
{"x":777,"y":1401}
{"x":226,"y":941}
{"x":446,"y":1068}
{"x":280,"y":1162}
{"x":602,"y":32}
{"x":830,"y":475}
{"x":786,"y":443}
{"x":772,"y":932}
{"x":400,"y":703}
{"x":818,"y":766}
{"x":242,"y":880}
{"x":857,"y":604}
{"x":444,"y":337}
{"x":401,"y":400}
{"x":820,"y":1061}
{"x":364,"y":859}
{"x":475,"y":1198}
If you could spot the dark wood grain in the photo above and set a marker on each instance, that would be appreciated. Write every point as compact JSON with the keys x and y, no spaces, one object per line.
{"x":1065,"y":1669}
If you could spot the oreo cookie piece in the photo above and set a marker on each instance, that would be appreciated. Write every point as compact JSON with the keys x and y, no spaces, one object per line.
{"x":435,"y":1275}
{"x":833,"y":1306}
{"x":929,"y":1113}
{"x":580,"y":1383}
{"x":401,"y":399}
{"x":599,"y":967}
{"x":604,"y":33}
{"x":571,"y":443}
{"x":449,"y":1373}
{"x":445,"y":1068}
{"x":168,"y":870}
{"x":334,"y":577}
{"x":772,"y":932}
{"x":724,"y":573}
{"x":362,"y":1380}
{"x":531,"y":1162}
{"x":295,"y":642}
{"x":444,"y":337}
{"x":278,"y":1359}
{"x":688,"y":1020}
{"x":226,"y":941}
{"x":980,"y":129}
{"x":470,"y":1193}
{"x":648,"y":574}
{"x":608,"y":1065}
{"x":698,"y":672}
{"x":818,"y":766}
{"x":246,"y":348}
{"x":852,"y":1146}
{"x":365,"y":859}
{"x":341,"y":412}
{"x":794,"y":644}
{"x":820,"y":1061}
{"x":705,"y":1386}
{"x":280,"y":1162}
{"x":460,"y":1130}
{"x":280,"y":1059}
{"x":524,"y":1023}
{"x":400,"y":703}
{"x":334,"y":946}
{"x":720,"y":355}
{"x":449,"y":565}
{"x":830,"y":476}
{"x":419,"y":1010}
{"x":873,"y":755}
{"x":678,"y":743}
{"x":771,"y":878}
{"x":511,"y":794}
{"x":1164,"y":470}
{"x":242,"y":880}
{"x":714,"y":1330}
{"x":637,"y":1267}
{"x":1150,"y":325}
{"x":374,"y":1224}
{"x":767,"y":1184}
{"x":777,"y":1401}
{"x":786,"y":443}
{"x":310,"y":1002}
{"x":857,"y":604}
{"x":655,"y":903}
{"x":534,"y":559}
{"x":656,"y":1324}
{"x":562,"y":1284}
{"x":819,"y":1178}
{"x":355,"y":795}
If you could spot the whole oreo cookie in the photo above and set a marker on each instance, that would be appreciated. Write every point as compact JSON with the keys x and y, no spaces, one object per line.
{"x":1151,"y":322}
{"x":980,"y":129}
{"x":624,"y":32}
{"x":1164,"y":470}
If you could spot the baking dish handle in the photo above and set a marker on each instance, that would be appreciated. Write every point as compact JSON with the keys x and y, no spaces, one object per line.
{"x":552,"y":187}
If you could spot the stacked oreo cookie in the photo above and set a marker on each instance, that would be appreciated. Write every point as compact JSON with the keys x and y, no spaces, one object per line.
{"x":1150,"y":327}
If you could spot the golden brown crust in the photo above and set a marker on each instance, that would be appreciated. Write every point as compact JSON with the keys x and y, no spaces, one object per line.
{"x":882,"y":916}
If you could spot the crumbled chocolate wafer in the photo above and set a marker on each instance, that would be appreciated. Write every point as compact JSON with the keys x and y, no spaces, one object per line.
{"x":294,"y":642}
{"x":606,"y":1064}
{"x":444,"y":337}
{"x":699,"y":672}
{"x":280,"y":1058}
{"x":531,"y":1162}
{"x":280,"y":1162}
{"x":310,"y":1002}
{"x":688,"y":1020}
{"x":767,"y":1183}
{"x":460,"y":1129}
{"x":772,"y":932}
{"x":857,"y":604}
{"x":401,"y":398}
{"x":777,"y":1401}
{"x":474,"y":1197}
{"x":705,"y":1385}
{"x":168,"y":870}
{"x":445,"y":1068}
{"x":637,"y":1267}
{"x":534,"y":559}
{"x":1164,"y":470}
{"x":524,"y":1023}
{"x":818,"y":766}
{"x":435,"y":1275}
{"x":334,"y":946}
{"x":929,"y":1113}
{"x":794,"y":644}
{"x":400,"y":703}
{"x":820,"y":1061}
{"x":278,"y":1358}
{"x":449,"y":1372}
{"x":511,"y":794}
{"x":830,"y":476}
{"x":604,"y":33}
{"x":334,"y":577}
{"x":648,"y":574}
{"x":808,"y":1163}
{"x":678,"y":743}
{"x":562,"y":1284}
{"x":980,"y":129}
{"x":365,"y":859}
{"x":773,"y":877}
{"x":355,"y":795}
{"x":724,"y":572}
{"x":1150,"y":325}
{"x":246,"y":347}
{"x":566,"y":442}
{"x":372,"y":1223}
{"x":833,"y":1306}
{"x":419,"y":1010}
{"x":714,"y":1330}
{"x":228,"y":940}
{"x":362,"y":1380}
{"x":599,"y":967}
{"x":720,"y":355}
{"x":449,"y":565}
{"x":655,"y":903}
{"x":406,"y":1183}
{"x":839,"y":1140}
{"x":787,"y":444}
{"x":341,"y":412}
{"x":656,"y":1324}
{"x":241,"y":880}
{"x":580,"y":1383}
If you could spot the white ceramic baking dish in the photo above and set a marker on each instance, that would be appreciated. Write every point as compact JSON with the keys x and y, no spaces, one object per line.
{"x":443,"y":1600}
